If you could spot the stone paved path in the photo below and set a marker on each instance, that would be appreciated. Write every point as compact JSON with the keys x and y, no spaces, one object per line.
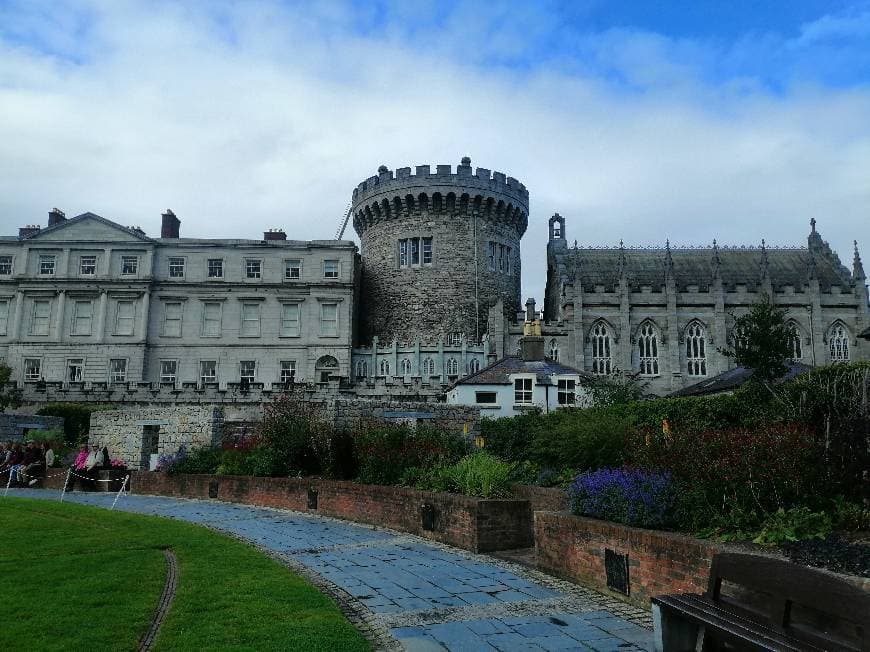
{"x":407,"y":593}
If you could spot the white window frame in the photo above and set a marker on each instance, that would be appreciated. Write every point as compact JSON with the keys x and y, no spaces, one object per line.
{"x":47,"y":264}
{"x":207,"y":320}
{"x":7,"y":265}
{"x":329,"y":273}
{"x":602,"y":349}
{"x":426,"y":250}
{"x":4,"y":317}
{"x":119,"y":374}
{"x":524,"y":390}
{"x":254,"y":268}
{"x":70,"y":365}
{"x":452,"y":367}
{"x":40,"y":332}
{"x":125,"y":325}
{"x":249,"y":366}
{"x":283,"y":367}
{"x":648,"y":350}
{"x":167,"y":320}
{"x":290,"y":327}
{"x":566,"y":391}
{"x":249,"y":326}
{"x":169,"y":377}
{"x":131,"y":260}
{"x":554,"y":350}
{"x":324,"y":332}
{"x":176,"y":264}
{"x":77,"y":316}
{"x":203,"y":379}
{"x":214,"y":268}
{"x":88,"y":265}
{"x":454,"y":339}
{"x":414,"y":252}
{"x":292,"y":269}
{"x":403,"y":253}
{"x":29,"y":376}
{"x":696,"y":350}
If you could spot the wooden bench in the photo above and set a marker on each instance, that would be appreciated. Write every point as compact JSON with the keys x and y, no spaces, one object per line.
{"x":762,"y":603}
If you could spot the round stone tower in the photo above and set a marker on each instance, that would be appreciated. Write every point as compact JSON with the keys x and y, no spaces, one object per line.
{"x":438,"y":249}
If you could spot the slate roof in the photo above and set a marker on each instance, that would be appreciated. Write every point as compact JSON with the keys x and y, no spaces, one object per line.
{"x":732,"y":379}
{"x":498,"y":373}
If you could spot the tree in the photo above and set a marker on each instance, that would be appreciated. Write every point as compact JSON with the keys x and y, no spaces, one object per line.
{"x":9,"y":394}
{"x":762,"y":341}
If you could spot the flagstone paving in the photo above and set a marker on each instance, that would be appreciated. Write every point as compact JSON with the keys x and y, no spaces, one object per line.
{"x":407,"y":593}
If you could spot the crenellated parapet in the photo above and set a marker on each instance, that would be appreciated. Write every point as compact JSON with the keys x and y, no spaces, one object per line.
{"x":462,"y":192}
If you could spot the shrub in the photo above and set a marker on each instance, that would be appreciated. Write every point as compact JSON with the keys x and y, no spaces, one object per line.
{"x":167,"y":462}
{"x":796,"y":524}
{"x":479,"y":474}
{"x":199,"y":460}
{"x":76,"y":419}
{"x":581,"y":440}
{"x":632,"y":496}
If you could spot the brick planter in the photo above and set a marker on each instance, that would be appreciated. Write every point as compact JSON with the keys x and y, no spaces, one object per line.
{"x":474,"y":524}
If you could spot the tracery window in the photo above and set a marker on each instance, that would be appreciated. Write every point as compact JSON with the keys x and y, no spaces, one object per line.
{"x":602,"y":361}
{"x":696,"y":350}
{"x":428,"y":367}
{"x":405,"y":367}
{"x":473,"y":366}
{"x":648,"y":348}
{"x":554,"y":350}
{"x":385,"y":367}
{"x":362,"y":369}
{"x":453,"y":367}
{"x":838,"y":339}
{"x":795,"y":343}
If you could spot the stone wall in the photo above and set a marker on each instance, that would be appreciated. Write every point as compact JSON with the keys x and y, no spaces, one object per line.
{"x":14,"y":426}
{"x":352,"y":413}
{"x":122,"y":430}
{"x":473,"y":524}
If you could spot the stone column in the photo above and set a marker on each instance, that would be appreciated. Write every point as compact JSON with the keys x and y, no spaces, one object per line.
{"x":101,"y":317}
{"x":19,"y":310}
{"x":58,"y":324}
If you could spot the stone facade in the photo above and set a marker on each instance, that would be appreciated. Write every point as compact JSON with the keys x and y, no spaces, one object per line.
{"x":136,"y":435}
{"x":15,"y":427}
{"x":438,"y":248}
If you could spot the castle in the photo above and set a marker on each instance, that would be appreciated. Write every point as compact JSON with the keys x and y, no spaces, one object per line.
{"x":432,"y":295}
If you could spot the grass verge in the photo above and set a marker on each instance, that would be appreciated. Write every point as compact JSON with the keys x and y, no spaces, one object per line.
{"x":80,"y":577}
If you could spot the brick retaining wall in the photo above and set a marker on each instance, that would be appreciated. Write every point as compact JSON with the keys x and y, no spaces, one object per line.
{"x":547,"y":499}
{"x":470,"y":523}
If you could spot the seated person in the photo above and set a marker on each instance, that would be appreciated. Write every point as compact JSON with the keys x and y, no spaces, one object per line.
{"x":77,"y":471}
{"x":93,"y":464}
{"x":31,"y":463}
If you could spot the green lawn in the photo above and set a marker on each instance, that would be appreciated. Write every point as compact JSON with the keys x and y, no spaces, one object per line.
{"x":79,"y":577}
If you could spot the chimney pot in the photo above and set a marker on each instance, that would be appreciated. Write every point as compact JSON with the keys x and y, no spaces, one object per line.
{"x":56,"y":216}
{"x":29,"y":230}
{"x":274,"y":234}
{"x":169,"y":227}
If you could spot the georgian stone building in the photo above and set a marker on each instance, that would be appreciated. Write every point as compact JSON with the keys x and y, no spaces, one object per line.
{"x":88,"y":301}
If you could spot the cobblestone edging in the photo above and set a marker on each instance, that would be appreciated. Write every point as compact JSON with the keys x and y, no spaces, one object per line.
{"x":164,"y":603}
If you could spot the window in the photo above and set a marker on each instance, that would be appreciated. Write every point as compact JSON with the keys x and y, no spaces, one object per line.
{"x":253,"y":268}
{"x":40,"y":318}
{"x":428,"y":367}
{"x":696,"y":351}
{"x":88,"y":265}
{"x":385,"y":367}
{"x":176,"y":267}
{"x":403,"y":253}
{"x":601,"y":359}
{"x":288,"y":371}
{"x":75,"y":368}
{"x":290,"y":324}
{"x":507,"y":260}
{"x":415,"y":251}
{"x":795,"y":343}
{"x":293,"y":269}
{"x":329,"y":319}
{"x":325,"y":368}
{"x":247,"y":371}
{"x":330,"y":269}
{"x":32,"y":369}
{"x":491,"y":255}
{"x":207,"y":371}
{"x":566,"y":391}
{"x":362,"y":369}
{"x":453,"y":367}
{"x":151,"y":439}
{"x":454,"y":339}
{"x":473,"y":366}
{"x":523,"y":391}
{"x":211,"y":319}
{"x":405,"y":367}
{"x":4,"y":317}
{"x":83,"y":312}
{"x":46,"y":265}
{"x":129,"y":265}
{"x":172,"y":313}
{"x":839,"y":341}
{"x":5,"y":265}
{"x":250,"y":320}
{"x":125,"y":315}
{"x":554,"y":350}
{"x":501,"y":257}
{"x":215,"y":268}
{"x":118,"y":370}
{"x":648,"y":350}
{"x":168,"y":371}
{"x":427,"y":251}
{"x":485,"y":398}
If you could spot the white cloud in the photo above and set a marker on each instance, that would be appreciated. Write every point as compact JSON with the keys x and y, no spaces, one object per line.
{"x":241,"y":119}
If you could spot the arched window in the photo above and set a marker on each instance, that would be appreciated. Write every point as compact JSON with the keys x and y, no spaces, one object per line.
{"x":385,"y":367}
{"x":325,"y":367}
{"x":473,"y":366}
{"x":428,"y":367}
{"x":554,"y":350}
{"x":696,"y":349}
{"x":648,"y":349}
{"x":838,"y":338}
{"x":795,"y":342}
{"x":405,"y":367}
{"x":453,"y":367}
{"x":602,"y":361}
{"x":362,"y":369}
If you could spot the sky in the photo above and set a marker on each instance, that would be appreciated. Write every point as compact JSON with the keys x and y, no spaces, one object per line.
{"x":635,"y":120}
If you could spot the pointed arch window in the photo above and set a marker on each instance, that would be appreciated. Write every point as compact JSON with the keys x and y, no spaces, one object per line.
{"x":795,"y":343}
{"x":385,"y":367}
{"x":696,"y":349}
{"x":554,"y":350}
{"x":406,"y":367}
{"x":428,"y":367}
{"x":362,"y":369}
{"x":473,"y":366}
{"x":602,"y":359}
{"x":453,"y":367}
{"x":648,"y":350}
{"x":838,"y":338}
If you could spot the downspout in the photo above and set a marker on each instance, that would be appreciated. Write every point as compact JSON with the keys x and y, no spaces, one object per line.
{"x":476,"y":278}
{"x":547,"y":398}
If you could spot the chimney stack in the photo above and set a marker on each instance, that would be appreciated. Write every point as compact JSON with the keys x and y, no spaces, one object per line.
{"x":56,"y":216}
{"x":169,"y":227}
{"x":29,"y":230}
{"x":274,"y":234}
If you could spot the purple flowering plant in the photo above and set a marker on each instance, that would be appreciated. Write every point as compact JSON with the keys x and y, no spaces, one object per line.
{"x":633,"y":496}
{"x":166,"y":462}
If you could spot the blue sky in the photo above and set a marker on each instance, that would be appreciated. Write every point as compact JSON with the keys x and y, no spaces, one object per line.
{"x":637,"y":120}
